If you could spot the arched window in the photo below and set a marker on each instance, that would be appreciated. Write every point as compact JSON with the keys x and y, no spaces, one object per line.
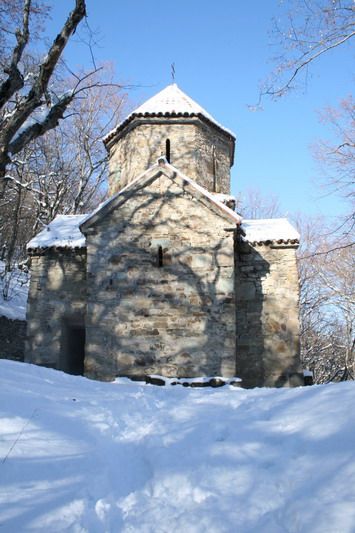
{"x":160,"y":256}
{"x":167,"y":150}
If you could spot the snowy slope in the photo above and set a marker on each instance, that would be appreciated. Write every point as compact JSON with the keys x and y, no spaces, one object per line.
{"x":84,"y":456}
{"x":15,"y":306}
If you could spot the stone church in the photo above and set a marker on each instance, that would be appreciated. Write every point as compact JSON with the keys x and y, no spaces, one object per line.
{"x":165,"y":278}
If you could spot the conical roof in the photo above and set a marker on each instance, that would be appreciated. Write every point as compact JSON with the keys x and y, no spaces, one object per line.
{"x":170,"y":102}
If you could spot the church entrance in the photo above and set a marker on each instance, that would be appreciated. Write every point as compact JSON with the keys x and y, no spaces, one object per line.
{"x":73,"y":348}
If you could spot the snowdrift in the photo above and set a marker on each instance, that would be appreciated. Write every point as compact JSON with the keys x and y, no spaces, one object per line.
{"x":78,"y":455}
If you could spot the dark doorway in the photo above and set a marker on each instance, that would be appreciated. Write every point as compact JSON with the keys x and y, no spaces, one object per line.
{"x":73,"y":349}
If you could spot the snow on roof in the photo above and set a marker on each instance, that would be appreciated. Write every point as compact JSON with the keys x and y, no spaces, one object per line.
{"x":62,"y":232}
{"x":224,"y":198}
{"x":269,"y":229}
{"x":170,"y":101}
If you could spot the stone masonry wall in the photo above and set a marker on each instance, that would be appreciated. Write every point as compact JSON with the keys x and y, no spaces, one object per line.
{"x":177,"y":319}
{"x":57,"y":294}
{"x":12,"y":339}
{"x":267,"y":315}
{"x":213,"y":160}
{"x":198,"y":151}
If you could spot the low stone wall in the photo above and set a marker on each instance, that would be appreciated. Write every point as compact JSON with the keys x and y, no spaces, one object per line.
{"x":12,"y":339}
{"x":267,"y":316}
{"x":57,"y":295}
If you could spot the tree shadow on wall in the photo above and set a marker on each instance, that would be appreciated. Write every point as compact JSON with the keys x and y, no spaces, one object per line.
{"x":267,"y":349}
{"x":251,"y":268}
{"x":143,"y":145}
{"x":160,"y":288}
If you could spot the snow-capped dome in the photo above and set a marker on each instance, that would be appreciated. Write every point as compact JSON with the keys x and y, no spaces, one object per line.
{"x":170,"y":102}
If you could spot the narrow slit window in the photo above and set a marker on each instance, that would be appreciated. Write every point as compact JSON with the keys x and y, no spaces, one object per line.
{"x":214,"y":169}
{"x":160,"y":257}
{"x":167,"y":150}
{"x":214,"y":183}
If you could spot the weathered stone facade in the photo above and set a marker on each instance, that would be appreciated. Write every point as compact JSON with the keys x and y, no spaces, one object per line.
{"x":56,"y":303}
{"x":176,"y":318}
{"x":266,"y":292}
{"x":202,"y":152}
{"x":162,"y":279}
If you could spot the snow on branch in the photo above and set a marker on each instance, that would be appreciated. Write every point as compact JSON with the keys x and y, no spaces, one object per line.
{"x":24,"y":105}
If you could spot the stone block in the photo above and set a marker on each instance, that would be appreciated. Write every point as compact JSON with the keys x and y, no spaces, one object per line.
{"x":246,"y":291}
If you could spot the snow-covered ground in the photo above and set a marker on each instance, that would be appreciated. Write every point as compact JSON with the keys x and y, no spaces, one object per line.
{"x":78,"y":455}
{"x":15,"y":306}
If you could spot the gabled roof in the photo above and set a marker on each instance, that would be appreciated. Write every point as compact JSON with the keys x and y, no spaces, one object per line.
{"x":156,"y":170}
{"x":270,"y":230}
{"x":170,"y":102}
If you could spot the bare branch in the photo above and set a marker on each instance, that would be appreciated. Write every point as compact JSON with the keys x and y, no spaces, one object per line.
{"x":303,"y":34}
{"x":14,"y":81}
{"x":303,"y":63}
{"x":40,"y":128}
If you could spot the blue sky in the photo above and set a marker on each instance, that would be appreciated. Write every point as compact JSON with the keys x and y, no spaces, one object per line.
{"x":221,"y":51}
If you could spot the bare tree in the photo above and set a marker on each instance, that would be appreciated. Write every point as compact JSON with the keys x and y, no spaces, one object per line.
{"x":28,"y":106}
{"x":252,"y":204}
{"x":327,"y":304}
{"x":62,"y":172}
{"x":41,"y":169}
{"x":11,"y":19}
{"x":303,"y":32}
{"x":336,"y":157}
